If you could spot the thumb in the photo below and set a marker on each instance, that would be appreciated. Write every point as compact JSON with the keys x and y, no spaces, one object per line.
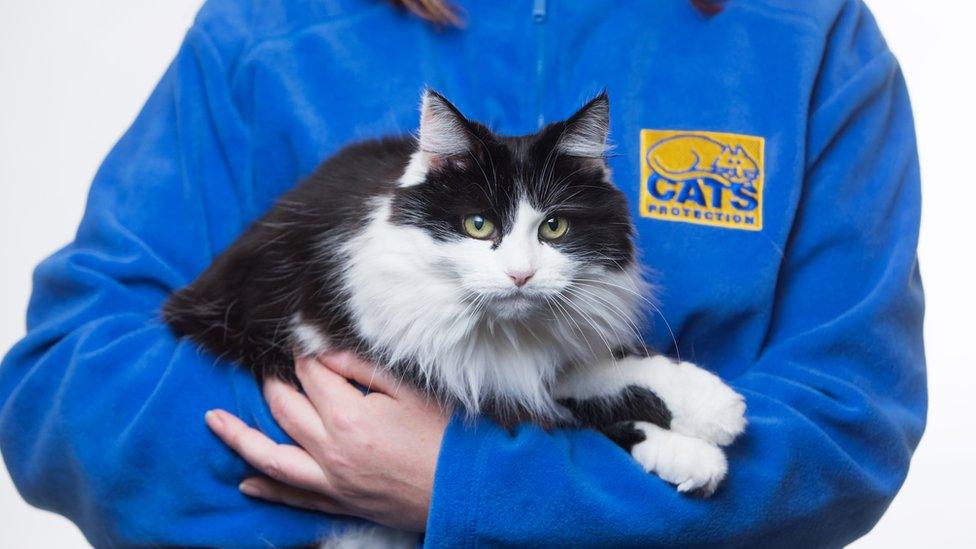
{"x":367,"y":374}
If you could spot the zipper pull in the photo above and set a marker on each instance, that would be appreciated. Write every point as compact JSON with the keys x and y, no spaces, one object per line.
{"x":539,"y":11}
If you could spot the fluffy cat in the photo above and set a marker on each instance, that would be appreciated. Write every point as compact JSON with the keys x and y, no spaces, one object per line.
{"x":495,"y":273}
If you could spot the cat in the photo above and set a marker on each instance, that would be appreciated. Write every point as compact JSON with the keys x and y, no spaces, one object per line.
{"x":496,"y":274}
{"x":684,"y":157}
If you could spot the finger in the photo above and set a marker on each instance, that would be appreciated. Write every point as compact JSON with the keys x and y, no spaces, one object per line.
{"x":282,"y":462}
{"x":328,"y":391}
{"x":367,"y":374}
{"x":295,"y":414}
{"x":272,"y":490}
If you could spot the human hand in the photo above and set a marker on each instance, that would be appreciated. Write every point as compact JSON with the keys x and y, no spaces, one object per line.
{"x":371,"y":456}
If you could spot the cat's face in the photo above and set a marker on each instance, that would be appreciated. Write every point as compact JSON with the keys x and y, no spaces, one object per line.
{"x":522,"y":226}
{"x":736,"y":165}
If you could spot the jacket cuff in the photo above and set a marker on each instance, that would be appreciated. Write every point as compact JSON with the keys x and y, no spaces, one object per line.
{"x":457,"y":487}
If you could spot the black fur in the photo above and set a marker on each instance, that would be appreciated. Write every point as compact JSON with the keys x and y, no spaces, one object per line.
{"x":240,"y":306}
{"x":497,"y":171}
{"x":615,"y":415}
{"x":633,"y":403}
{"x":624,"y":434}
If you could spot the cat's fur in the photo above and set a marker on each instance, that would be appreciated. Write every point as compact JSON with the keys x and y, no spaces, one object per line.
{"x":369,"y":253}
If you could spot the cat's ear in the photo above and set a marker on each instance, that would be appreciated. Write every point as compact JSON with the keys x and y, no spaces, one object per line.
{"x":446,"y":139}
{"x":444,"y":132}
{"x":585,"y":133}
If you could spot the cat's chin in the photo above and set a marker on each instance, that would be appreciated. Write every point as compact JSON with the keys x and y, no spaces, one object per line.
{"x":519,"y":306}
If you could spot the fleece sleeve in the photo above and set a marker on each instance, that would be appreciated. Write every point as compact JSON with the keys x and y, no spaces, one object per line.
{"x":101,"y":408}
{"x":836,"y":399}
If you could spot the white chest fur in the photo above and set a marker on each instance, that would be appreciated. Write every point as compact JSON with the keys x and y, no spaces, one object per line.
{"x":409,"y":305}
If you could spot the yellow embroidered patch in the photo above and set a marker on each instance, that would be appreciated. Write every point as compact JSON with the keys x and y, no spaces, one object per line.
{"x":708,"y":178}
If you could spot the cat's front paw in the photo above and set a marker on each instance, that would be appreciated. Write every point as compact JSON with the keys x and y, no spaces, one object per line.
{"x":711,"y":409}
{"x":692,"y":464}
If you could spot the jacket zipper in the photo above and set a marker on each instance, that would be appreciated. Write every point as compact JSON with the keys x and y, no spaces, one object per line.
{"x":539,"y":18}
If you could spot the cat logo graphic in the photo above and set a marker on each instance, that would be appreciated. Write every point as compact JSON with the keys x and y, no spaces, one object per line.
{"x":707,"y":178}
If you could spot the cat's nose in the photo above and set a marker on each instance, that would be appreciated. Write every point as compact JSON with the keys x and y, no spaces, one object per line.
{"x":520,"y":277}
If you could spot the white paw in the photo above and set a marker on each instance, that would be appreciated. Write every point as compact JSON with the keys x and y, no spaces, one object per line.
{"x":711,"y":409}
{"x":688,"y":462}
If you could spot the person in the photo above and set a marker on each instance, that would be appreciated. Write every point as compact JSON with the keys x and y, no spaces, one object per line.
{"x":790,"y":271}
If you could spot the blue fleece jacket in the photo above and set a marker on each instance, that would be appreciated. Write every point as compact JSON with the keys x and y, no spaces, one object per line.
{"x":806,"y":297}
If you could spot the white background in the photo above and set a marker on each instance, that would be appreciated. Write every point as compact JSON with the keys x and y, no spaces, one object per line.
{"x":74,"y":74}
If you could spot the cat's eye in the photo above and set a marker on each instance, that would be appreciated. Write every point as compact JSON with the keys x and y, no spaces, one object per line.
{"x":478,"y":226}
{"x":553,"y":228}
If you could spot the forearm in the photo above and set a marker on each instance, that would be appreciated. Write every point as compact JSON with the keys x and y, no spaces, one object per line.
{"x":102,"y":407}
{"x":105,"y":426}
{"x":788,"y":481}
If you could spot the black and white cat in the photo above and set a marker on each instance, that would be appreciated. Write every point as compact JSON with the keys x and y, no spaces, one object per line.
{"x":495,"y":273}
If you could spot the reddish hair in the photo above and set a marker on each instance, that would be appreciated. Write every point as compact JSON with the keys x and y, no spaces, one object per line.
{"x":444,"y":12}
{"x":708,"y":7}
